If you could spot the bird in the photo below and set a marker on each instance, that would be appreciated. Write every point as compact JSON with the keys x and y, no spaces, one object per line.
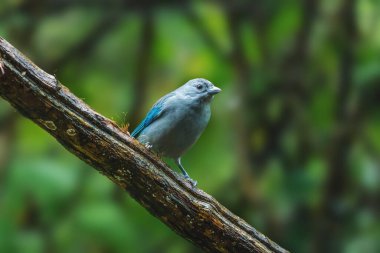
{"x":176,"y":121}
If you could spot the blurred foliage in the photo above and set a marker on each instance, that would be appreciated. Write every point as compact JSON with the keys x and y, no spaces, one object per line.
{"x":292,"y":147}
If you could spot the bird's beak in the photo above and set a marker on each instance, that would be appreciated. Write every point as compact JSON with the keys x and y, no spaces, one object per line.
{"x":214,"y":90}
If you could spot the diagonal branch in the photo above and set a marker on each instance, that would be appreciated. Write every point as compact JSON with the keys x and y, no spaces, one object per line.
{"x":192,"y":213}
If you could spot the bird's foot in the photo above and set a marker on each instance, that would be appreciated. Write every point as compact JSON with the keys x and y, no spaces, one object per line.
{"x":191,"y":181}
{"x":148,"y":145}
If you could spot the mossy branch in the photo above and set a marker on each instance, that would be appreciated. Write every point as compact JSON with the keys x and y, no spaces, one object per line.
{"x":98,"y":141}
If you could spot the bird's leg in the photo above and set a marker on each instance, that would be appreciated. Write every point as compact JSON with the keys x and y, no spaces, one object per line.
{"x":178,"y":162}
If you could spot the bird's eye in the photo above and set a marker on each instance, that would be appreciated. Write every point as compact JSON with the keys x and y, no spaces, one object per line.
{"x":199,"y":86}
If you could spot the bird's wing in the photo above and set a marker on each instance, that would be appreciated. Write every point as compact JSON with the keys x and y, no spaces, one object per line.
{"x":154,"y":113}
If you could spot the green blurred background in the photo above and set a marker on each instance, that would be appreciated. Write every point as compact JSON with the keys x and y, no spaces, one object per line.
{"x":292,"y":146}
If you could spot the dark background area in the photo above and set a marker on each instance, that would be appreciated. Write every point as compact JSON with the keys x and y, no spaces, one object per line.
{"x":292,"y":146}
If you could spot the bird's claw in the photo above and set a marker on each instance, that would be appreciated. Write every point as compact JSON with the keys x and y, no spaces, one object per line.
{"x":192,"y":182}
{"x":148,"y":145}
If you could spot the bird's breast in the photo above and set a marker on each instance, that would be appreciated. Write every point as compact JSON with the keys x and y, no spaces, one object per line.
{"x":176,"y":131}
{"x":193,"y":119}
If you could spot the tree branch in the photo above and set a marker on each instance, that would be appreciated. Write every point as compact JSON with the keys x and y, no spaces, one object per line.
{"x":192,"y":213}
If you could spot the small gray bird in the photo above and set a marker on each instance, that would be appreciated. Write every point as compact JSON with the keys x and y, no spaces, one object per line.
{"x":176,"y":120}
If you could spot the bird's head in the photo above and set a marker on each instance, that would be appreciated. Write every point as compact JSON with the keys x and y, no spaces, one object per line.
{"x":199,"y":89}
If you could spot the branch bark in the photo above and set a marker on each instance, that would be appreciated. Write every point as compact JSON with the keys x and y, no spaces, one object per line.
{"x":192,"y":213}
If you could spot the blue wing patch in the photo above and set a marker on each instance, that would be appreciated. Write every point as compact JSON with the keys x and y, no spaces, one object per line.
{"x":152,"y":115}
